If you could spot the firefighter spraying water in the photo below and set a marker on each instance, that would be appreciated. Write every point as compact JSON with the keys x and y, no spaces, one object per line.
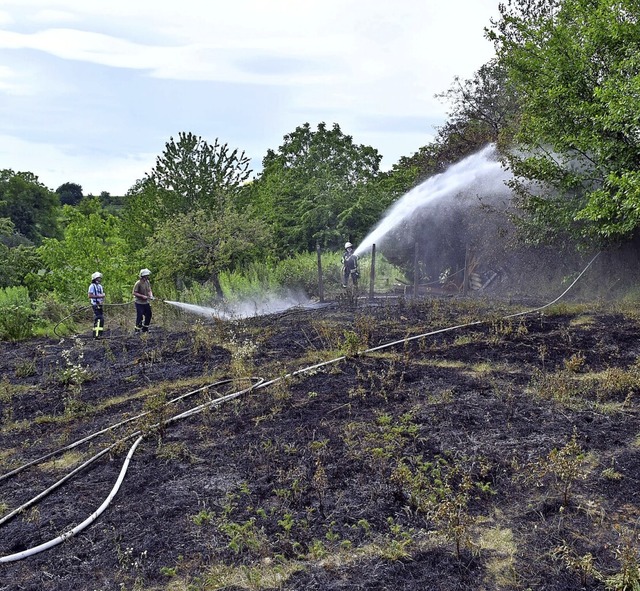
{"x":349,"y":266}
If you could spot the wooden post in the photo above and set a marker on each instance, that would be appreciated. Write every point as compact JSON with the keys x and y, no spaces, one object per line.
{"x":320,"y":284}
{"x":465,"y":277}
{"x":416,"y":277}
{"x":372,"y":276}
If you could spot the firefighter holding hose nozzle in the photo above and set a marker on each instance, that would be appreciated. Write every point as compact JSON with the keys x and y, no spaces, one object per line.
{"x":349,"y":266}
{"x":142,"y":296}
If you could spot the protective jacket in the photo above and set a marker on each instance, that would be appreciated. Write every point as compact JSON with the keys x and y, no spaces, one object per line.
{"x":349,"y":262}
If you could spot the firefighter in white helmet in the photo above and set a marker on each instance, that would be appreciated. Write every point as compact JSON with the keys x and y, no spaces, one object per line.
{"x":142,"y":296}
{"x":349,"y":266}
{"x":96,"y":298}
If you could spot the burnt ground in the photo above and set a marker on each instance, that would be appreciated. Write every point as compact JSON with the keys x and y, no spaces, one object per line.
{"x":503,"y":454}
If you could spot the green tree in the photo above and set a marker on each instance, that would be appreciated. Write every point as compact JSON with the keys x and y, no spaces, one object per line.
{"x":193,"y":174}
{"x":30,"y":206}
{"x":189,"y":175}
{"x":308,"y":182}
{"x":575,"y":67}
{"x":70,"y":193}
{"x":200,"y":244}
{"x":91,"y":242}
{"x":18,"y":258}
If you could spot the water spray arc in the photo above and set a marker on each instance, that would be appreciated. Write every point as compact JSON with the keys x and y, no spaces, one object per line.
{"x":480,"y":172}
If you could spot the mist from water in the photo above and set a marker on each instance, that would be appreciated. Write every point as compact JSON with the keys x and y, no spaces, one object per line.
{"x":247,"y":308}
{"x":480,"y":174}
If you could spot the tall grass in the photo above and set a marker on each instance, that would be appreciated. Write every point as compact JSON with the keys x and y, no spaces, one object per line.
{"x":297,"y":275}
{"x":17,"y":315}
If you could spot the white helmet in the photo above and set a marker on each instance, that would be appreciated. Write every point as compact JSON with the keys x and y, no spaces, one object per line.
{"x":96,"y":275}
{"x":145,"y":272}
{"x":348,"y":245}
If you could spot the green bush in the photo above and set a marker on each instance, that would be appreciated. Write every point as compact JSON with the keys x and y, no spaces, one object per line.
{"x":298,"y":272}
{"x":17,"y":316}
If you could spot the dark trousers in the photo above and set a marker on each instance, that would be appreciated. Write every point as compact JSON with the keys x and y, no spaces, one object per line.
{"x":98,"y":321}
{"x":350,"y":273}
{"x":143,"y":316}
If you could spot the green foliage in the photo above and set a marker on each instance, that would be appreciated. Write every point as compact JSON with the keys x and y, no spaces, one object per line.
{"x":201,"y":244}
{"x":573,"y":66}
{"x":30,"y":206}
{"x":17,"y":316}
{"x":19,"y":260}
{"x":565,"y":466}
{"x":300,"y":272}
{"x":304,"y":187}
{"x":441,"y":490}
{"x":244,"y":536}
{"x":91,"y":243}
{"x":190,"y":175}
{"x":70,"y":193}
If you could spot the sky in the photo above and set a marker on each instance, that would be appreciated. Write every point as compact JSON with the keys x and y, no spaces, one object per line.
{"x":91,"y":91}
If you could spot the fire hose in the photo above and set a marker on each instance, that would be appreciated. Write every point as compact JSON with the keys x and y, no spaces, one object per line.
{"x":259,"y":383}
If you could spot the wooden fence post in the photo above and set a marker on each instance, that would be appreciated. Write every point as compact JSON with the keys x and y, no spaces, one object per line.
{"x":416,"y":277}
{"x":320,"y":284}
{"x":372,"y":276}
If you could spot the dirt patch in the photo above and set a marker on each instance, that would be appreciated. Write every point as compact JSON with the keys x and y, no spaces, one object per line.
{"x":499,"y":455}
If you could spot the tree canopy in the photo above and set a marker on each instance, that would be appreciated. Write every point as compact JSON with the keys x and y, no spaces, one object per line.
{"x":575,"y":68}
{"x":307,"y":184}
{"x":70,"y":193}
{"x":190,"y":174}
{"x":31,"y":207}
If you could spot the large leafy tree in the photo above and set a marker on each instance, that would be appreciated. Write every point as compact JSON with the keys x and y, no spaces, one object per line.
{"x":31,"y":207}
{"x":70,"y":193}
{"x":185,"y":217}
{"x":305,"y":186}
{"x":190,"y":174}
{"x":91,"y":243}
{"x":575,"y":66}
{"x":200,"y":244}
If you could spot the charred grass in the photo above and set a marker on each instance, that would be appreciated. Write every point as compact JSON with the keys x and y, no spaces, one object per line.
{"x":502,"y":455}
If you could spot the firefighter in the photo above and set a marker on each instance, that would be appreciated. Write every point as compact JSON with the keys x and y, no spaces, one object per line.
{"x":96,"y":298}
{"x":349,"y":266}
{"x":143,"y":295}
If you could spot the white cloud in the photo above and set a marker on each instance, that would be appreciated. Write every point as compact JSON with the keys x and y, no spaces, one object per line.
{"x":121,"y":66}
{"x":61,"y":164}
{"x":56,"y":16}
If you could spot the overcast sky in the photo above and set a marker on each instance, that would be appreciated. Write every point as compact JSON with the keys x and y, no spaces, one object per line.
{"x":91,"y":90}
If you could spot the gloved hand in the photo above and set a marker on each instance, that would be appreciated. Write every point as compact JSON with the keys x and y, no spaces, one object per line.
{"x":151,"y":298}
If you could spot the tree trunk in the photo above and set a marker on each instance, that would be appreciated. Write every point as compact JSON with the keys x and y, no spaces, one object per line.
{"x":216,"y":284}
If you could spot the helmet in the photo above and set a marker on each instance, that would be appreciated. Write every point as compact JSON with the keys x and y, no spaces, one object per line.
{"x":348,"y":245}
{"x":96,"y":275}
{"x":145,"y":272}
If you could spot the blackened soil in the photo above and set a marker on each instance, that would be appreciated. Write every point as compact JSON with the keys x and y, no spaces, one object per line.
{"x":501,"y":454}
